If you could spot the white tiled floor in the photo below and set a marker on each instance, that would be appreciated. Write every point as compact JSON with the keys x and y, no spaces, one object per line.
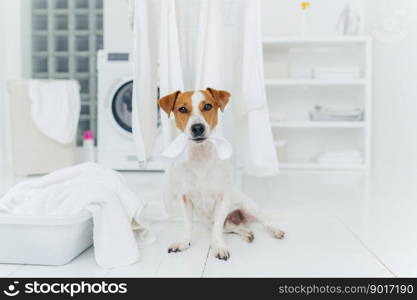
{"x":337,"y":224}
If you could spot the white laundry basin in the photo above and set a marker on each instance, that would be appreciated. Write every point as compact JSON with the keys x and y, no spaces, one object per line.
{"x":44,"y":240}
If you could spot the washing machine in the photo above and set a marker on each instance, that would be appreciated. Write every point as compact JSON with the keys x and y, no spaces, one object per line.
{"x":115,"y":146}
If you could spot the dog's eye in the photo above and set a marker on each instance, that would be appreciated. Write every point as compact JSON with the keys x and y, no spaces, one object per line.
{"x":207,"y":107}
{"x":183,"y":110}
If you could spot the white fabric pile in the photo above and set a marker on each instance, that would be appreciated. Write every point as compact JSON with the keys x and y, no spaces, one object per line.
{"x":334,"y":113}
{"x":117,"y":229}
{"x":340,"y":157}
{"x":55,"y":108}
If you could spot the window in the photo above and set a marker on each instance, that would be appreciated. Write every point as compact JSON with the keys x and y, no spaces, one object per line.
{"x":66,"y":35}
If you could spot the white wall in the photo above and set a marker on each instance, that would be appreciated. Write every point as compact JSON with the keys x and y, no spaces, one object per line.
{"x":393,"y":26}
{"x":116,"y":25}
{"x":11,"y":66}
{"x":2,"y":92}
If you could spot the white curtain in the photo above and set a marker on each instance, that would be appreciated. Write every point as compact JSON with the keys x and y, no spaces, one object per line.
{"x":191,"y":45}
{"x":145,"y":60}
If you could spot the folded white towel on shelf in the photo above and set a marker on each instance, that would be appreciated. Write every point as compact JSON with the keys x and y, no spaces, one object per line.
{"x":278,"y":117}
{"x":336,"y":76}
{"x":340,"y":157}
{"x":346,"y":69}
{"x":353,"y":72}
{"x":55,"y":108}
{"x":177,"y":149}
{"x":115,"y":208}
{"x":333,"y":113}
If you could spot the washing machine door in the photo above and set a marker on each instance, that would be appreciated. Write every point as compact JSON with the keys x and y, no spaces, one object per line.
{"x":121,"y":106}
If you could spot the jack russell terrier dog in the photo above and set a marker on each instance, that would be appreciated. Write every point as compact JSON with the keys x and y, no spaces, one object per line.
{"x":203,"y":181}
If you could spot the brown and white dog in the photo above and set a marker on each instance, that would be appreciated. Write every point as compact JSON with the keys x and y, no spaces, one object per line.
{"x":203,"y":181}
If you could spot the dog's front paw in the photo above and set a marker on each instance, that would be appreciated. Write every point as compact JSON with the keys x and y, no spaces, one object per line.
{"x":221,"y":252}
{"x":179,"y":246}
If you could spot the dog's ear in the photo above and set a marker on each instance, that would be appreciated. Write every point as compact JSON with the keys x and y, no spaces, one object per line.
{"x":167,"y":103}
{"x":221,"y":97}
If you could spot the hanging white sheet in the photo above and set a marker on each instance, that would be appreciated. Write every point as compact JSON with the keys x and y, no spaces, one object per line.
{"x":144,"y":115}
{"x":200,"y":44}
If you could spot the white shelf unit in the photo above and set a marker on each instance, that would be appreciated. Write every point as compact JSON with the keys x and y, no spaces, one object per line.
{"x":310,"y":124}
{"x":307,"y":82}
{"x":296,"y":94}
{"x":291,"y":41}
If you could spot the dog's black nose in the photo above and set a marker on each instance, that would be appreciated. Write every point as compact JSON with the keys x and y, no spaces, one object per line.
{"x":197,"y":130}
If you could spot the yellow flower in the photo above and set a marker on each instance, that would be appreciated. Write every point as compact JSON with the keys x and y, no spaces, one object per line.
{"x":305,"y":4}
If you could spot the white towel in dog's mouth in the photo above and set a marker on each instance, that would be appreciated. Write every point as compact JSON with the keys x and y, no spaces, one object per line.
{"x":178,"y":146}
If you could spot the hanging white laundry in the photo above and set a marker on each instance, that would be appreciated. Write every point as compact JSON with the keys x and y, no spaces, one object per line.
{"x":144,"y":100}
{"x":55,"y":108}
{"x":248,"y":63}
{"x":170,"y":72}
{"x":209,"y":58}
{"x":253,"y":129}
{"x":212,"y":43}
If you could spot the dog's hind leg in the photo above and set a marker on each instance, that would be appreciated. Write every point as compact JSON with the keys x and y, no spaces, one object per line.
{"x":243,"y":231}
{"x":260,"y":216}
{"x":251,"y":211}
